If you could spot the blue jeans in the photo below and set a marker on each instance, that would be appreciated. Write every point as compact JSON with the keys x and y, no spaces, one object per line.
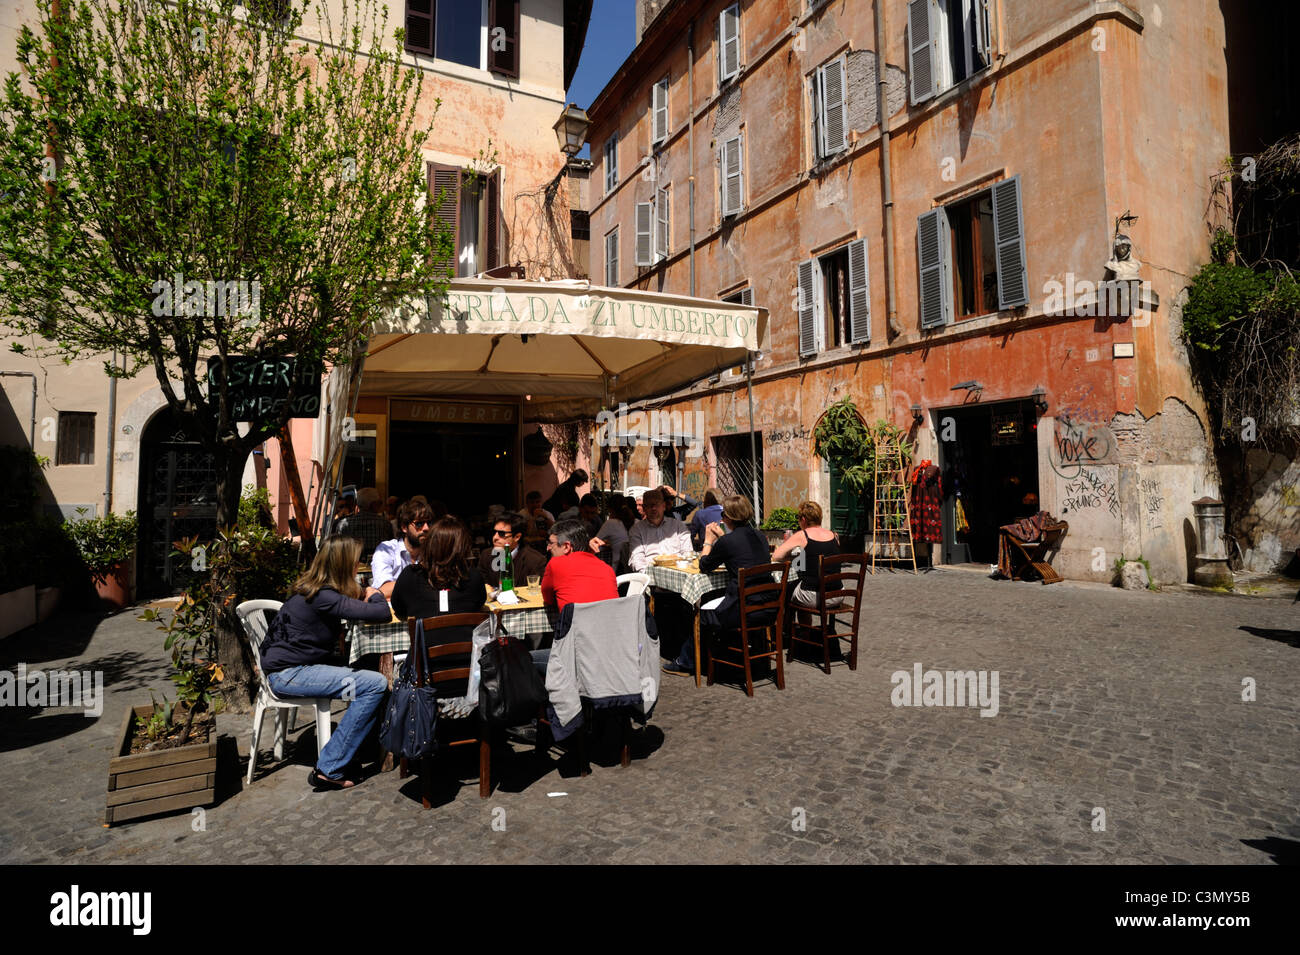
{"x":366,"y":688}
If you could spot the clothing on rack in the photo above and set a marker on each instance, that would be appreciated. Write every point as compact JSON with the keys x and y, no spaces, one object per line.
{"x":927,"y":501}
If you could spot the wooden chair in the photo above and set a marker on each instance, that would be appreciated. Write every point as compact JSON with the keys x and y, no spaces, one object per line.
{"x":832,"y":581}
{"x":1027,"y":556}
{"x":481,"y":733}
{"x":757,"y":580}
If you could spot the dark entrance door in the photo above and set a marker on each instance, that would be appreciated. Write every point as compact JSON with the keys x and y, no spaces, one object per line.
{"x":177,"y":498}
{"x":991,"y":460}
{"x":469,"y":467}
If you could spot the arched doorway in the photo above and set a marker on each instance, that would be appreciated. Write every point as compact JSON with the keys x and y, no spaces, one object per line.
{"x":177,"y":498}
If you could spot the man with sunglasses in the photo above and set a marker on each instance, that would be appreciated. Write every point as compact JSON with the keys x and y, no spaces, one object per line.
{"x":414,"y":518}
{"x":507,"y":532}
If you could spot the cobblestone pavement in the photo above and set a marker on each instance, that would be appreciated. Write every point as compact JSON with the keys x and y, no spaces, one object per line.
{"x":1127,"y":702}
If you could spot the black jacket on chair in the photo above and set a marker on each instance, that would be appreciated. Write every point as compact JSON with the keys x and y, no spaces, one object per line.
{"x":741,"y":548}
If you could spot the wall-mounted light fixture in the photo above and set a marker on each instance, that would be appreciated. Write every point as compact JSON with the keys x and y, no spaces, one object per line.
{"x":1039,"y":396}
{"x":971,"y":385}
{"x":917,"y":416}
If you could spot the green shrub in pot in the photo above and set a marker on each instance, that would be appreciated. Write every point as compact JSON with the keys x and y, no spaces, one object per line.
{"x":104,"y":542}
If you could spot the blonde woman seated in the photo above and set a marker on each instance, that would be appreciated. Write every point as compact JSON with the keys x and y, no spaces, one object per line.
{"x":814,"y":542}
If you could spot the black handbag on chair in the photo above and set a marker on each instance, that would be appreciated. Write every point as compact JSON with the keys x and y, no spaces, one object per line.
{"x":510,"y":690}
{"x":412,"y":714}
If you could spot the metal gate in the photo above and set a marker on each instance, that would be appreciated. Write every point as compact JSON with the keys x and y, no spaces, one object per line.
{"x":178,"y":498}
{"x":736,"y":474}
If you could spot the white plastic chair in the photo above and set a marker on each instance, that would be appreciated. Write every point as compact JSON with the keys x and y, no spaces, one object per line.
{"x":636,"y":583}
{"x":253,"y":615}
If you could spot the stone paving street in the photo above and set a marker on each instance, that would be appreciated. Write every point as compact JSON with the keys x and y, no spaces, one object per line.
{"x":1131,"y":702}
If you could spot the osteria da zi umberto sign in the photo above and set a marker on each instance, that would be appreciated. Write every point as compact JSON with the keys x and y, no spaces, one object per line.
{"x":479,"y":307}
{"x":259,"y":387}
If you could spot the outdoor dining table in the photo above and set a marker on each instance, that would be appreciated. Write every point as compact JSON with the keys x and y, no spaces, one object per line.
{"x":692,"y":585}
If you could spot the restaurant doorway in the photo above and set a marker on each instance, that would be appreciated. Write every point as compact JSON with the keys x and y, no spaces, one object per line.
{"x":988,"y":455}
{"x":176,"y":498}
{"x":468,"y":467}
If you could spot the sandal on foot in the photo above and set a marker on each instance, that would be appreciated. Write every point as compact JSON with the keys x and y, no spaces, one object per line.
{"x":318,"y":780}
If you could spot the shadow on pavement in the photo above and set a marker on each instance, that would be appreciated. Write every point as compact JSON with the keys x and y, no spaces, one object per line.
{"x":1289,"y":637}
{"x":1282,"y":851}
{"x":65,"y":635}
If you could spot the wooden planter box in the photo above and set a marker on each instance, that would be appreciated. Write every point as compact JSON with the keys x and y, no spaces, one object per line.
{"x":149,"y":783}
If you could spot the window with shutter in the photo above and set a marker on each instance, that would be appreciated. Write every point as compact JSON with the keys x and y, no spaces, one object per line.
{"x":729,"y":43}
{"x":492,"y":204}
{"x":807,"y":308}
{"x":611,"y":163}
{"x":733,"y":179}
{"x":662,"y":224}
{"x":747,"y":296}
{"x":948,"y":42}
{"x":419,"y":26}
{"x":1009,"y":240}
{"x":830,"y":116}
{"x":503,"y":37}
{"x":659,"y":107}
{"x":932,"y":238}
{"x":644,"y":224}
{"x":75,"y":442}
{"x":859,"y":294}
{"x":444,"y":203}
{"x":611,"y":258}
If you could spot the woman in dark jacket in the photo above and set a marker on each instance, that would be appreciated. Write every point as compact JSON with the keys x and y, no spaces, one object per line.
{"x":299,"y":653}
{"x":738,"y":547}
{"x":443,"y":582}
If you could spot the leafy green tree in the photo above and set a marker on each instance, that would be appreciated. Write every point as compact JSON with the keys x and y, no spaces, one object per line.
{"x":186,"y":180}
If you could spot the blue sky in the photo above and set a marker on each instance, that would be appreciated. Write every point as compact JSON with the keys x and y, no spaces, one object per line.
{"x":610,"y":38}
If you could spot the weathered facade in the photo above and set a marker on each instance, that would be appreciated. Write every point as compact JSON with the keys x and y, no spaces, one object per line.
{"x":495,"y":108}
{"x":1019,"y":134}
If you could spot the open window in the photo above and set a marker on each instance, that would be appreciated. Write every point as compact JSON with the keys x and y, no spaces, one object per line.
{"x":653,"y":229}
{"x":971,"y":256}
{"x":468,"y":204}
{"x":659,"y":111}
{"x":834,"y":300}
{"x":948,"y":41}
{"x":729,"y":43}
{"x":830,"y":105}
{"x":453,"y":30}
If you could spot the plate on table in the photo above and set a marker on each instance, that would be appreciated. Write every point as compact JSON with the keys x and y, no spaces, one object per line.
{"x":666,"y":560}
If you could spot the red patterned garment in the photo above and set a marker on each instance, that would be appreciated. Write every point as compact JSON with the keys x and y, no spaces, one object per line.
{"x":927,"y":500}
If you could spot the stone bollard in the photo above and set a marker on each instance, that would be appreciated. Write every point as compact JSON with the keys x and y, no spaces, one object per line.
{"x":1212,"y":559}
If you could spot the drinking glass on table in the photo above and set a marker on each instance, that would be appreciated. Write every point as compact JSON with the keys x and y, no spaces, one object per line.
{"x":534,"y":584}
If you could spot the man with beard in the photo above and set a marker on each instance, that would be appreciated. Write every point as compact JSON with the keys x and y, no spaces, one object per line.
{"x":414,"y":519}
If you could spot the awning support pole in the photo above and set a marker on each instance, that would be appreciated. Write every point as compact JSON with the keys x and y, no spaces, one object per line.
{"x":753,"y":438}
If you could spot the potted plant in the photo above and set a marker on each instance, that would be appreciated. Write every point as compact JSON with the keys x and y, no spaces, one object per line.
{"x":779,"y":523}
{"x":848,"y":445}
{"x":106,"y":545}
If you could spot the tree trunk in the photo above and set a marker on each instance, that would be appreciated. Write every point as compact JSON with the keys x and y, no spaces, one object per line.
{"x":239,"y":685}
{"x":305,"y":529}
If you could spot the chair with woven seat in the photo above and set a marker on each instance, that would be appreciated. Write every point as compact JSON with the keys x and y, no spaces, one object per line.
{"x":839,"y":593}
{"x":754,"y":581}
{"x":426,"y":673}
{"x":254,"y":616}
{"x":1030,"y":558}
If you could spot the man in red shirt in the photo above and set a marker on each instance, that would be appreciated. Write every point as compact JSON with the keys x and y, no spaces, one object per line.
{"x":575,"y":574}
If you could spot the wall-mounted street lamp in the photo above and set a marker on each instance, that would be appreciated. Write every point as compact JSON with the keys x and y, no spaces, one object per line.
{"x":1039,"y":396}
{"x":571,"y":129}
{"x":917,"y":416}
{"x":971,"y":385}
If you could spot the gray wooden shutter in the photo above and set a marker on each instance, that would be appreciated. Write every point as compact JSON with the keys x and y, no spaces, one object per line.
{"x":834,"y":116}
{"x":747,"y":296}
{"x":807,"y":309}
{"x":444,"y":201}
{"x":932,"y":240}
{"x":419,"y":26}
{"x":920,"y":65}
{"x":859,"y":294}
{"x":1009,"y":239}
{"x":493,"y":203}
{"x":611,"y":163}
{"x":503,"y":15}
{"x":729,"y":42}
{"x":733,"y":183}
{"x":611,"y":258}
{"x":659,"y":106}
{"x":644,"y":222}
{"x":984,"y":32}
{"x":662,"y":223}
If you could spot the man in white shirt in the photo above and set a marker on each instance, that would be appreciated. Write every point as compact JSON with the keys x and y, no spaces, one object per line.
{"x":392,"y":557}
{"x":657,"y":534}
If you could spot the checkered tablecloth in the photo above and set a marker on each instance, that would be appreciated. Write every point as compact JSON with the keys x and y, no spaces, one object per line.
{"x":534,"y":625}
{"x":692,"y":587}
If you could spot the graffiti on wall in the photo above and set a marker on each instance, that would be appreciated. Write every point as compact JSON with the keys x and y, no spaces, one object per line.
{"x":695,"y":483}
{"x":1153,"y":501}
{"x":784,"y":489}
{"x":1079,"y":402}
{"x":1090,"y":491}
{"x":1076,"y":444}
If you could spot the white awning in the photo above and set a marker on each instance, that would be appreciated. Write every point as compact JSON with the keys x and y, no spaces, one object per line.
{"x":581,"y":340}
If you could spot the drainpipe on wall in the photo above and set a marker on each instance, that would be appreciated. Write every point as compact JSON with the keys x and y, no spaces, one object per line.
{"x":690,"y":121}
{"x":32,"y":376}
{"x":108,"y":445}
{"x":887,"y":200}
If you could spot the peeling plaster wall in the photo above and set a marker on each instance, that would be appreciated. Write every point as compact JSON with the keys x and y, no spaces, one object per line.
{"x":864,"y":91}
{"x":1269,"y":533}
